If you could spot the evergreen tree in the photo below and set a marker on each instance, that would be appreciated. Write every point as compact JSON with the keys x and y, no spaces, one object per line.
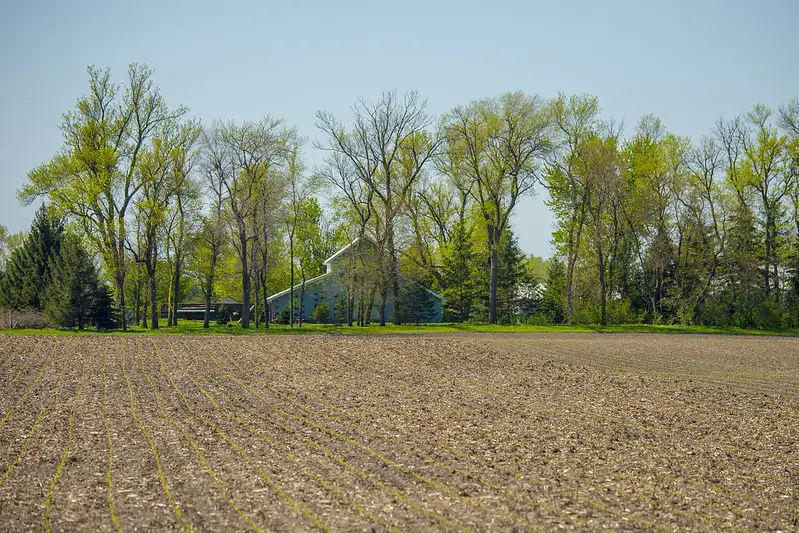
{"x":512,"y":276}
{"x":459,"y":262}
{"x":28,"y":267}
{"x":744,"y":289}
{"x":103,"y":312}
{"x":416,"y":303}
{"x":553,"y":301}
{"x":73,"y":286}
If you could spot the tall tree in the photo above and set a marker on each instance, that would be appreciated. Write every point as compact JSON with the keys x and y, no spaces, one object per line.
{"x":164,"y":181}
{"x":250,"y":150}
{"x":212,"y":235}
{"x":181,"y":221}
{"x":575,"y":119}
{"x":603,"y":183}
{"x":94,"y":179}
{"x":388,"y":148}
{"x":299,"y":189}
{"x":767,"y":171}
{"x":353,"y":202}
{"x":498,"y":145}
{"x":27,"y":270}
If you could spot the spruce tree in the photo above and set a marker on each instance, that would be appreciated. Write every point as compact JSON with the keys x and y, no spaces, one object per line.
{"x":28,"y":267}
{"x":103,"y":312}
{"x":75,"y":295}
{"x":553,"y":301}
{"x":458,"y":273}
{"x":511,"y":275}
{"x":416,"y":303}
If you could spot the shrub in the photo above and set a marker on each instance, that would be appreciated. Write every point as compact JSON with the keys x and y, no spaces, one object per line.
{"x":321,"y":314}
{"x":340,"y":310}
{"x":285,"y":315}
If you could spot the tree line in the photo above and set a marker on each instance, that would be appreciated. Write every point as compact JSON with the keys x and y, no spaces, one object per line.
{"x":651,"y":227}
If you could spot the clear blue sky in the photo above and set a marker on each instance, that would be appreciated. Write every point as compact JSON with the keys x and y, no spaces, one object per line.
{"x":686,"y":62}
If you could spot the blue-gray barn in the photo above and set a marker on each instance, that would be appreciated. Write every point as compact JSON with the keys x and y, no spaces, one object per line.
{"x":332,"y":287}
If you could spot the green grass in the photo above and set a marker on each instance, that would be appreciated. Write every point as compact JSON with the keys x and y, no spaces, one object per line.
{"x":194,"y":327}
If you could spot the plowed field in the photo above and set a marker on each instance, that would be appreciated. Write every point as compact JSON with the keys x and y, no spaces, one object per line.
{"x":472,"y":432}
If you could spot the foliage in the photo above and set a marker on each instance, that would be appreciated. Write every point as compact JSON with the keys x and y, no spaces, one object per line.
{"x":459,"y":263}
{"x":27,"y":271}
{"x":75,"y":296}
{"x":649,"y":227}
{"x":340,"y":310}
{"x":418,"y":305}
{"x":553,"y":300}
{"x":321,"y":314}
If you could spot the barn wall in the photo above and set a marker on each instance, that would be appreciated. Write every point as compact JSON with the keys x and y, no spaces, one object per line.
{"x":329,"y":288}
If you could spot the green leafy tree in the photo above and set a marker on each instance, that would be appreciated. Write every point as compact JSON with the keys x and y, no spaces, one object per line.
{"x":321,"y":314}
{"x":95,"y":179}
{"x":575,"y":119}
{"x":495,"y":151}
{"x":386,"y":153}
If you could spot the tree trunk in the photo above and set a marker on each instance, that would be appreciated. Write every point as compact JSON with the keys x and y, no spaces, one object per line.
{"x":361,"y":303}
{"x":175,"y":292}
{"x":602,"y":291}
{"x":153,"y":298}
{"x":572,"y":254}
{"x":119,"y":287}
{"x":369,"y":304}
{"x":245,"y":279}
{"x":267,"y":313}
{"x":245,"y":309}
{"x":302,"y":299}
{"x":350,"y":307}
{"x":209,"y":289}
{"x":492,"y":291}
{"x":291,"y":285}
{"x":207,"y":315}
{"x":382,"y":310}
{"x":396,"y":317}
{"x":257,"y":291}
{"x":137,"y":303}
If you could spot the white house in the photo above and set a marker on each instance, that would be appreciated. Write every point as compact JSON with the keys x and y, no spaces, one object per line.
{"x":332,"y":287}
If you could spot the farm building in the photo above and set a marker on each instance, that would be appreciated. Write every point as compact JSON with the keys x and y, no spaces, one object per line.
{"x":341,"y":276}
{"x":196,"y":310}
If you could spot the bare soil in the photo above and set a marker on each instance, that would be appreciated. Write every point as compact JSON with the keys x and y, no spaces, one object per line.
{"x":461,"y":432}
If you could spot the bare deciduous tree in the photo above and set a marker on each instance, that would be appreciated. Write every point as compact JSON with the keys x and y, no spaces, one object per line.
{"x":388,"y":146}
